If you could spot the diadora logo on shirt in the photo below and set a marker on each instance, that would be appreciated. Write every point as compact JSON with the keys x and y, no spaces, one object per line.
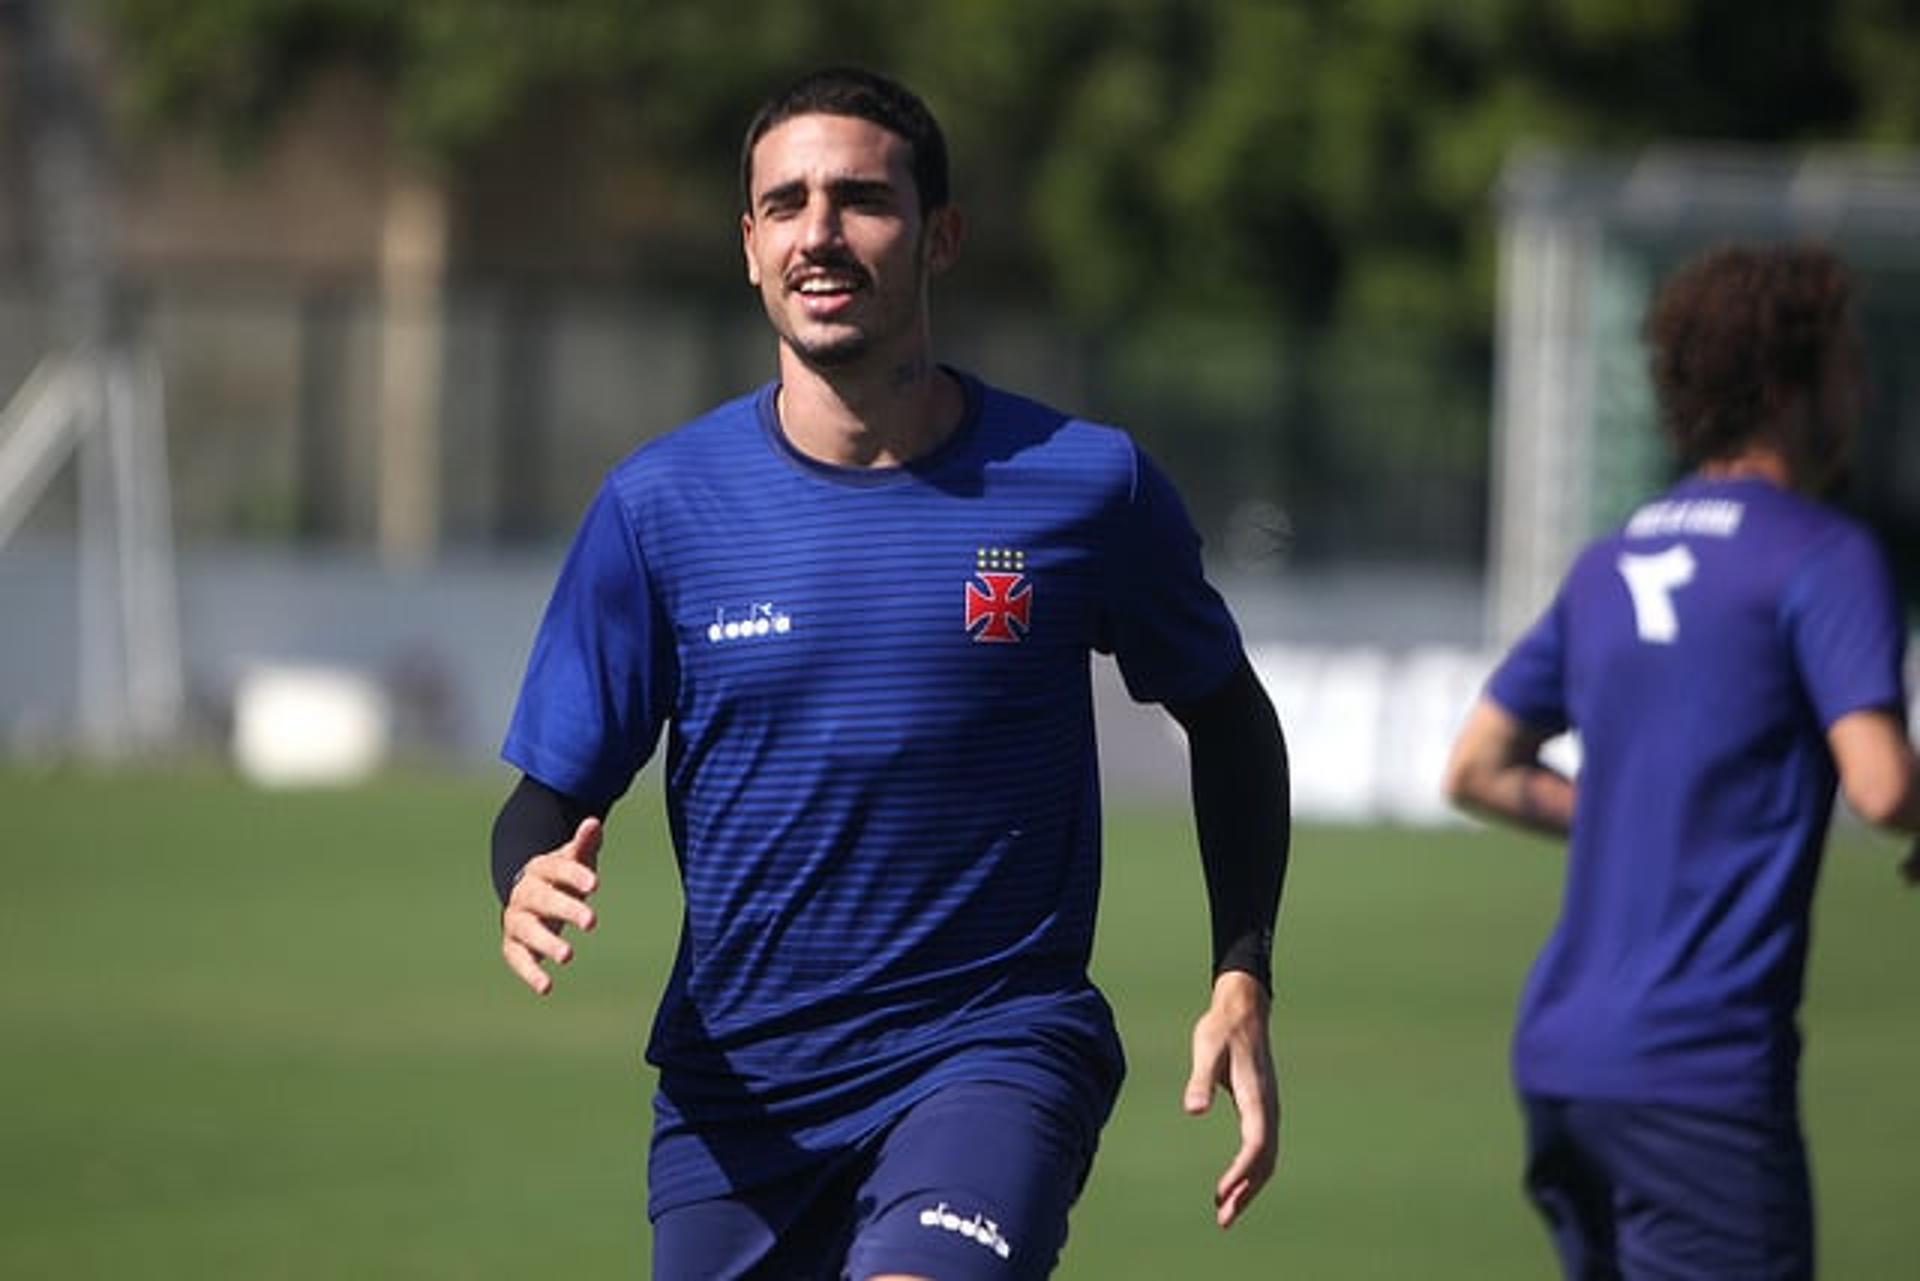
{"x":761,"y":619}
{"x":999,"y":597}
{"x":978,"y":1228}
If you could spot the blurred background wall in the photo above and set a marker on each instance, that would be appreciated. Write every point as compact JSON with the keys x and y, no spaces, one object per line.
{"x":1363,"y":276}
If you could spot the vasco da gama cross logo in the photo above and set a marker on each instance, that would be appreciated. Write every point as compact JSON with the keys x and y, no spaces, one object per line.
{"x":999,"y":597}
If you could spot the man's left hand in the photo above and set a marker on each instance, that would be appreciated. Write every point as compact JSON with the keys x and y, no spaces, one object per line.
{"x":1231,"y":1051}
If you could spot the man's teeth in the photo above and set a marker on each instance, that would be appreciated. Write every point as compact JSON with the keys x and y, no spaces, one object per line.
{"x":825,"y":285}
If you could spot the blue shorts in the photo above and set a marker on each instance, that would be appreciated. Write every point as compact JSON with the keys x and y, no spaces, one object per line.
{"x":973,"y":1183}
{"x":1647,"y":1190}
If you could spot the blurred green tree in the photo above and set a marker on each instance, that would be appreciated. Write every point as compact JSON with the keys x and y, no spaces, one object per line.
{"x":1314,"y":174}
{"x":1308,"y":160}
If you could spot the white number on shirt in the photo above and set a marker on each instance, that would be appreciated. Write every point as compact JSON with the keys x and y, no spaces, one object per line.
{"x":1652,"y":580}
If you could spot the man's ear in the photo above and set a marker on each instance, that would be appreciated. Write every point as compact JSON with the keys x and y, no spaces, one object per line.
{"x":746,"y":247}
{"x":946,"y":228}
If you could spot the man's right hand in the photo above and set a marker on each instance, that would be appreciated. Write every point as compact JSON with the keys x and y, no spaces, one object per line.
{"x":551,"y":894}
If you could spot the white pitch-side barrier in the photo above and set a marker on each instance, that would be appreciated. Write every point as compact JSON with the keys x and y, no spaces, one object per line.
{"x":1369,"y":729}
{"x":304,"y":726}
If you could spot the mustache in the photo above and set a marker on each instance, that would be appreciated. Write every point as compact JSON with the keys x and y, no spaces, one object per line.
{"x":836,"y":262}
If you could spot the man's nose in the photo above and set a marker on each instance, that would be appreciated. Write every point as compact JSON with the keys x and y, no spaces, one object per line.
{"x":820,"y":227}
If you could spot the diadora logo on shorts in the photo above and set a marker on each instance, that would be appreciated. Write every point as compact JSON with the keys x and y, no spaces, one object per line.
{"x":763,"y":618}
{"x":978,"y":1228}
{"x":999,"y":597}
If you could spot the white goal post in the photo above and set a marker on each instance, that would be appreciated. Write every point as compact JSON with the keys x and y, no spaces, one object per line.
{"x":95,"y":399}
{"x":1583,"y":242}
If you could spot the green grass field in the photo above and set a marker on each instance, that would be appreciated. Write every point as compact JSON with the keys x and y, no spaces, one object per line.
{"x":268,"y":1036}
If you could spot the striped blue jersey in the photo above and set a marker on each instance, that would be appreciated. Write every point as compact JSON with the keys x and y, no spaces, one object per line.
{"x":1702,"y":652}
{"x":880,"y":771}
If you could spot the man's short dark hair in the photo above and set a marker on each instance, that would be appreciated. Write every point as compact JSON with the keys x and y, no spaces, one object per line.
{"x":1733,"y":331}
{"x":851,"y":91}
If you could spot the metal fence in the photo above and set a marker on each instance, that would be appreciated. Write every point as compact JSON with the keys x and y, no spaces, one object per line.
{"x":1290,"y":450}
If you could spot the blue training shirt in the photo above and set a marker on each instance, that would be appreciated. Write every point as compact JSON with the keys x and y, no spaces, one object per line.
{"x":1701,"y":652}
{"x":880,"y":769}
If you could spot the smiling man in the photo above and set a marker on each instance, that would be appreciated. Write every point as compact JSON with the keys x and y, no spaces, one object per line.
{"x":861,"y":602}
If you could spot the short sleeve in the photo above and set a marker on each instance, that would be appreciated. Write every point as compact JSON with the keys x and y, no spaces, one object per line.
{"x":1530,"y":681}
{"x":1842,"y":617}
{"x":1163,"y":621}
{"x":602,"y":671}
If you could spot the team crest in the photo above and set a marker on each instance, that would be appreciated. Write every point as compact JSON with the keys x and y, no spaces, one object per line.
{"x":999,"y":597}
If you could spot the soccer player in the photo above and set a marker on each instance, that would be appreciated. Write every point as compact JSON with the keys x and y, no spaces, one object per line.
{"x":1723,"y":657}
{"x":861,"y":602}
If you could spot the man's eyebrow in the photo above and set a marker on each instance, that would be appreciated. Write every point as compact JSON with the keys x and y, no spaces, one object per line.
{"x":794,"y":191}
{"x":782,"y":193}
{"x":857,"y":188}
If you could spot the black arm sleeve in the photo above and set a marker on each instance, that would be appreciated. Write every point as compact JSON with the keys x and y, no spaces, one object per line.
{"x":534,"y":820}
{"x":1242,"y":814}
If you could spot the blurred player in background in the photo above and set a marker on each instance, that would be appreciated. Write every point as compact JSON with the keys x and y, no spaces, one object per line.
{"x":861,"y":602}
{"x":1722,"y":657}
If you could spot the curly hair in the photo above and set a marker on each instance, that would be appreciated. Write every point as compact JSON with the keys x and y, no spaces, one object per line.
{"x":1734,"y":334}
